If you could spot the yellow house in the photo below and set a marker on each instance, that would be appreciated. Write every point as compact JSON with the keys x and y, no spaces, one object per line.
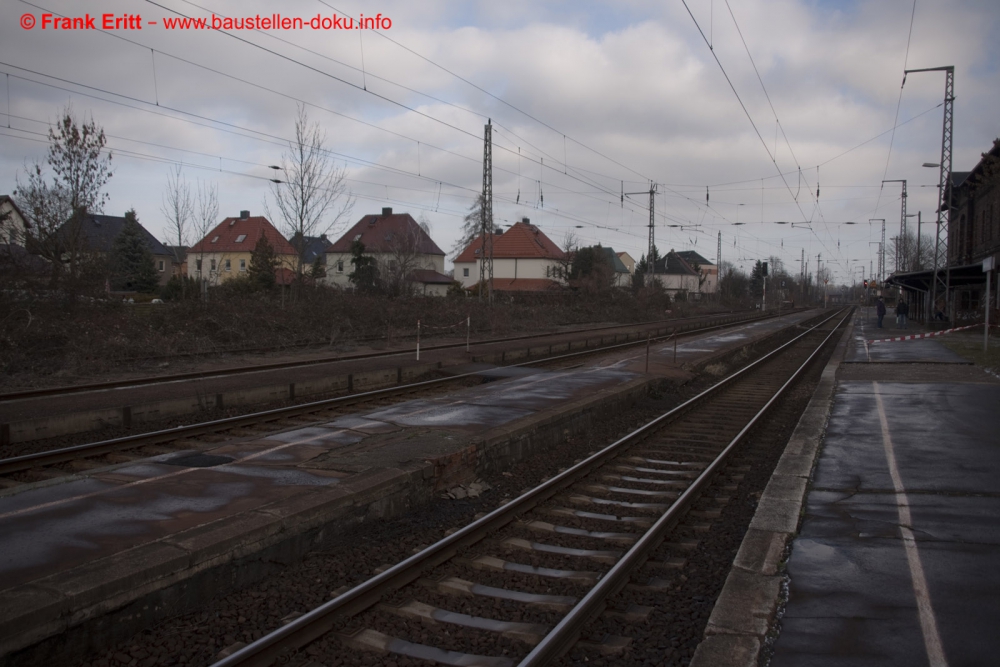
{"x":225,"y":252}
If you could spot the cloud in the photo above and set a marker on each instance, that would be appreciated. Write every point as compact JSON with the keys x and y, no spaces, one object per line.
{"x":609,"y":95}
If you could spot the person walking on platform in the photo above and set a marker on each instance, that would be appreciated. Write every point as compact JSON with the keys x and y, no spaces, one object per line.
{"x":902,"y":310}
{"x":880,"y":311}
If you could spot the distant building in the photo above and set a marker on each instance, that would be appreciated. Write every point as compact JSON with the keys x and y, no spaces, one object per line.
{"x":96,"y":234}
{"x":393,"y":240}
{"x":974,"y":229}
{"x":225,"y":251}
{"x":628,"y":261}
{"x":179,"y":260}
{"x":709,"y":271}
{"x":675,"y":275}
{"x":313,"y":248}
{"x":13,"y":225}
{"x":623,"y":277}
{"x":524,"y":260}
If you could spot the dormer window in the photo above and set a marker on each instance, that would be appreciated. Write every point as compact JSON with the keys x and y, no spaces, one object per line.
{"x":478,"y":250}
{"x":214,"y":239}
{"x":239,"y":239}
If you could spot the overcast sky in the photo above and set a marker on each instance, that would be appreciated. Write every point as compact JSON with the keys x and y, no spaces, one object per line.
{"x":601,"y":92}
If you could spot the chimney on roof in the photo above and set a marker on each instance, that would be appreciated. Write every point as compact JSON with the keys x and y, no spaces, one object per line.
{"x":526,"y":221}
{"x":386,"y":210}
{"x":244,"y":215}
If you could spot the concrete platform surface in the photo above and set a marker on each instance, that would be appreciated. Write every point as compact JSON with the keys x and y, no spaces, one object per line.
{"x":921,"y":350}
{"x":896,"y":559}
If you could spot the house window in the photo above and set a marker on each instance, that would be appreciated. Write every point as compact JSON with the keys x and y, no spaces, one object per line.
{"x":197,"y":263}
{"x":213,"y":265}
{"x":228,"y":267}
{"x":214,"y":239}
{"x":239,"y":239}
{"x":243,"y":265}
{"x":548,"y":271}
{"x":340,"y":266}
{"x":465,"y":273}
{"x":161,"y":266}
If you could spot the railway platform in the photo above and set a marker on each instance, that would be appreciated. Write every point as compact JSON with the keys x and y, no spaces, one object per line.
{"x":89,"y":556}
{"x":894,"y":558}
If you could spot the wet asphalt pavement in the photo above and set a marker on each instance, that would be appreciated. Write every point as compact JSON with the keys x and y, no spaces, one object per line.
{"x":896,"y":560}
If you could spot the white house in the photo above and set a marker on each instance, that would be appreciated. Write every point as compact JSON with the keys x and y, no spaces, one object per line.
{"x":392,"y":239}
{"x":524,"y":260}
{"x":709,"y":271}
{"x":675,"y":275}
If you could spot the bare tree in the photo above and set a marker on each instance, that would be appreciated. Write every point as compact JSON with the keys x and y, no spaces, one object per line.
{"x":56,"y":209}
{"x":206,"y":213}
{"x":399,"y":259}
{"x":178,"y":209}
{"x":313,"y":198}
{"x":177,"y":206}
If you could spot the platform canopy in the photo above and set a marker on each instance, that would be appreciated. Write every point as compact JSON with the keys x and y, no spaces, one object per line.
{"x":920,"y":281}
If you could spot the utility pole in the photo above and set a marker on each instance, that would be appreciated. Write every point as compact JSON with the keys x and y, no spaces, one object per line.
{"x":900,"y":249}
{"x":486,"y":271}
{"x":944,"y":186}
{"x":881,"y":251}
{"x":649,"y":253}
{"x":818,"y":255}
{"x":718,"y":265}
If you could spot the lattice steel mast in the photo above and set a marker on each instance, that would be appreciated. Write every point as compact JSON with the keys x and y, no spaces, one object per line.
{"x":944,"y":187}
{"x":486,"y":270}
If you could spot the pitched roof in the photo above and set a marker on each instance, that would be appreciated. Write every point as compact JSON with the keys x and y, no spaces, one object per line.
{"x":616,"y":263}
{"x":6,"y":199}
{"x":378,"y":233}
{"x":227,"y":237}
{"x":430,"y":277}
{"x":98,"y":233}
{"x":315,"y":246}
{"x":691,"y":257}
{"x":522,"y":241}
{"x":178,"y":251}
{"x":673,"y":264}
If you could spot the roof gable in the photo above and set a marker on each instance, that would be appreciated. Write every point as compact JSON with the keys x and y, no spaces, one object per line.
{"x":692,"y":257}
{"x":98,"y":233}
{"x":241,"y":235}
{"x":522,"y":241}
{"x":380,"y":233}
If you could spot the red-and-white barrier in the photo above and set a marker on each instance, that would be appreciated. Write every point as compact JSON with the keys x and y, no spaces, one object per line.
{"x":924,"y":335}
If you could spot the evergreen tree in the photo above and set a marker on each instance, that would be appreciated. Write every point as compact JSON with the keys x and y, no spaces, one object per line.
{"x":132,"y":267}
{"x":262,"y":263}
{"x":318,"y":271}
{"x":365,"y":274}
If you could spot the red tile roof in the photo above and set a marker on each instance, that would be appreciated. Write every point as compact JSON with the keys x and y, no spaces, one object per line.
{"x":523,"y":241}
{"x":253,"y":227}
{"x":377,"y":232}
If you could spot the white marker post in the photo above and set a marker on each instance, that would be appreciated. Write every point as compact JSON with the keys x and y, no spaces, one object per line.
{"x":468,"y":331}
{"x":988,"y":266}
{"x":418,"y":340}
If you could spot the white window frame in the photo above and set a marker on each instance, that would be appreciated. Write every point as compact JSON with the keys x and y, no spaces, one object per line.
{"x":229,"y":266}
{"x":243,"y":265}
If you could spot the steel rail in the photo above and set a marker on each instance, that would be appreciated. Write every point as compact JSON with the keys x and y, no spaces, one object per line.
{"x":562,"y":637}
{"x":284,"y":365}
{"x":314,"y":624}
{"x":63,"y":454}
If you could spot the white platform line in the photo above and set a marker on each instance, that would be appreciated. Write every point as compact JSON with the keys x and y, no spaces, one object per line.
{"x":928,"y":623}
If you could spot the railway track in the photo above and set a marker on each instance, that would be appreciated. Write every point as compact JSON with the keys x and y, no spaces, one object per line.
{"x":54,"y":463}
{"x":519,"y":585}
{"x":51,"y":392}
